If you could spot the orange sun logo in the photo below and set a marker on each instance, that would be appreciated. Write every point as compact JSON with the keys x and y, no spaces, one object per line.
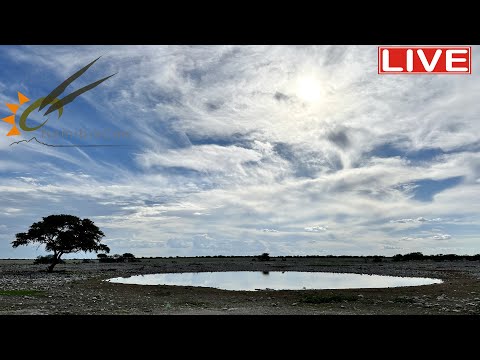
{"x":22,"y":99}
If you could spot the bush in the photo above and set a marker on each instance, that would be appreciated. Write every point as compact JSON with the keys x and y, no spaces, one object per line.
{"x":117,"y":258}
{"x":264,"y":257}
{"x":128,"y":257}
{"x":410,"y":256}
{"x":377,"y":259}
{"x":47,"y":259}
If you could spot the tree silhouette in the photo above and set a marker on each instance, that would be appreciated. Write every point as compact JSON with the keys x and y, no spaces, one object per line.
{"x":63,"y":234}
{"x":264,"y":257}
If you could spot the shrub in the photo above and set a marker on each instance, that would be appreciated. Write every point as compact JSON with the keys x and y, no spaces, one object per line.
{"x":128,"y":257}
{"x":264,"y":257}
{"x":410,"y":256}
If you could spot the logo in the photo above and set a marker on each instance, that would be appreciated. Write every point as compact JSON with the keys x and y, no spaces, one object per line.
{"x":424,"y":60}
{"x":52,"y":103}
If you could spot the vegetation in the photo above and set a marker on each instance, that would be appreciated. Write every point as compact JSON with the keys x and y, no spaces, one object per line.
{"x":127,"y":257}
{"x":264,"y":257}
{"x":63,"y":234}
{"x":438,"y":257}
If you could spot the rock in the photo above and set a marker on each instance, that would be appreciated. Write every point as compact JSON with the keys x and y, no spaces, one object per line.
{"x":441,"y":297}
{"x":294,"y":304}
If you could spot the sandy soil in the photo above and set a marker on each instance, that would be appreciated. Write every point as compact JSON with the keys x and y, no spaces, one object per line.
{"x":78,"y":288}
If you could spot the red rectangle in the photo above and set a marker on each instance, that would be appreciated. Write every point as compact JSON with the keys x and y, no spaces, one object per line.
{"x":424,"y":60}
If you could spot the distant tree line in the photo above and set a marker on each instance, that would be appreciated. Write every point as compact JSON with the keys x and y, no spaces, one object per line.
{"x":127,"y":257}
{"x":439,"y":257}
{"x":374,"y":258}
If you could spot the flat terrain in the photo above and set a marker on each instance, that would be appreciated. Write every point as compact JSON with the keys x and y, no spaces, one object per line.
{"x":78,"y":288}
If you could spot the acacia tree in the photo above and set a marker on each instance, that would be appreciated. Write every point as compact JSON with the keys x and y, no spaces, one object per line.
{"x":63,"y":234}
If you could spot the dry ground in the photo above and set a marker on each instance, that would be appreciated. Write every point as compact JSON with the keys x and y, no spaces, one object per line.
{"x":78,"y":288}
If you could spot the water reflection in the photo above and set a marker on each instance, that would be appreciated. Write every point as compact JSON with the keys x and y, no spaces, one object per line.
{"x":290,"y":280}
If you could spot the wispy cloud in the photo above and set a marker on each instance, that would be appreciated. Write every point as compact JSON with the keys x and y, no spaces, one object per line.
{"x":419,"y":219}
{"x":315,"y":228}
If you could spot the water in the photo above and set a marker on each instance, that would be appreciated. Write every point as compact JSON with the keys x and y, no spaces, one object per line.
{"x":275,"y":280}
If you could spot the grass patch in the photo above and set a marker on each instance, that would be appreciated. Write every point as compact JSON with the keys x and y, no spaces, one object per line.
{"x":22,"y":292}
{"x":328,"y":298}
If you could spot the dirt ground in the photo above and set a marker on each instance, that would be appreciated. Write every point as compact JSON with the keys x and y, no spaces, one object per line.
{"x":78,"y":288}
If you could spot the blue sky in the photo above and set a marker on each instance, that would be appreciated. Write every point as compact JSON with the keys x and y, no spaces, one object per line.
{"x":239,"y":150}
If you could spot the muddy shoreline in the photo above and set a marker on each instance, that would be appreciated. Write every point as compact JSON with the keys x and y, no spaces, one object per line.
{"x":78,"y":288}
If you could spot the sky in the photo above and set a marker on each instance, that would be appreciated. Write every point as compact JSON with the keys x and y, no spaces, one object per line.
{"x":240,"y":150}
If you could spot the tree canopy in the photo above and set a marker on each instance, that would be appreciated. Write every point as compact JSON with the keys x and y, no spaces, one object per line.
{"x":63,"y":234}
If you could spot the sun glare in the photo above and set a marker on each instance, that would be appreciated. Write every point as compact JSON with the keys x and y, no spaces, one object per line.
{"x":308,"y":89}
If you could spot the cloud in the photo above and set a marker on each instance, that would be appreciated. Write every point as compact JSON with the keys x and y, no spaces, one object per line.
{"x":269,"y":230}
{"x":441,"y":237}
{"x":223,"y":143}
{"x":339,"y":138}
{"x":420,"y":219}
{"x":202,"y":158}
{"x":392,"y":247}
{"x":280,"y":96}
{"x":427,"y":237}
{"x":316,"y":228}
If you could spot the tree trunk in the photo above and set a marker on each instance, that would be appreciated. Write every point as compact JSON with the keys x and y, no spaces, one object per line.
{"x":55,"y":260}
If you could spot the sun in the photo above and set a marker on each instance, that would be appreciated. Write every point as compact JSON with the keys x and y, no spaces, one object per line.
{"x":308,"y":89}
{"x":22,"y":99}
